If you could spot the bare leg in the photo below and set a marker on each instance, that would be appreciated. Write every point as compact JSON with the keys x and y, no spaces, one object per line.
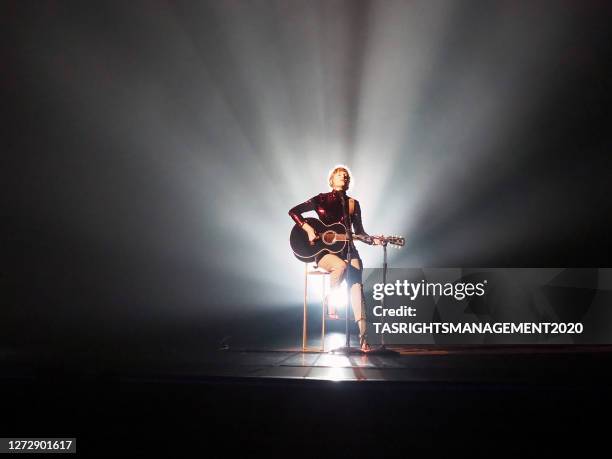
{"x":337,"y":268}
{"x":358,"y":302}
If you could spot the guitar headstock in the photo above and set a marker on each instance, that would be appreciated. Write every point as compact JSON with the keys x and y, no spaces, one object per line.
{"x":396,"y":240}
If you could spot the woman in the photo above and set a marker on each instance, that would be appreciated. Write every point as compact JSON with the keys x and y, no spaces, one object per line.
{"x":328,"y":207}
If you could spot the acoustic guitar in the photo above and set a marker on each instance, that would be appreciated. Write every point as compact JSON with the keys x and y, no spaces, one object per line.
{"x":330,"y":239}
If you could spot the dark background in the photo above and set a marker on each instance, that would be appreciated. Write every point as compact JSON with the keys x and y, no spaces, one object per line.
{"x":149,"y":148}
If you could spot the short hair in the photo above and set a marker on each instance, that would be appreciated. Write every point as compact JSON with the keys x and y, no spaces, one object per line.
{"x":340,"y":167}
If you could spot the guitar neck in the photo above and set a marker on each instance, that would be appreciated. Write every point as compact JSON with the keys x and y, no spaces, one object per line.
{"x":399,"y":241}
{"x":344,"y":237}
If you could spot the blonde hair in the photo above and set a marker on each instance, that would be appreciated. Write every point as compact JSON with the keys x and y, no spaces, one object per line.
{"x":340,"y":167}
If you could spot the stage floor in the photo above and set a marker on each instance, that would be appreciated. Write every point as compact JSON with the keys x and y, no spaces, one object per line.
{"x":445,"y":364}
{"x":444,"y":399}
{"x":507,"y":364}
{"x":559,"y":364}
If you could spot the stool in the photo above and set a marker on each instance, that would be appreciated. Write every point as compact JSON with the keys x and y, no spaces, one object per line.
{"x":314,"y":271}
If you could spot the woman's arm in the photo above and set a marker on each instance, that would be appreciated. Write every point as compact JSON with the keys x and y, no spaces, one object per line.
{"x":358,"y":225}
{"x":296,"y":214}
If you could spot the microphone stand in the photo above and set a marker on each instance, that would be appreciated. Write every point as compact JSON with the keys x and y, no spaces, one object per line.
{"x":382,"y":349}
{"x":347,"y":349}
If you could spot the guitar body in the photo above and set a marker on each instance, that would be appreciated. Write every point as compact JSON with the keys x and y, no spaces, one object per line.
{"x":328,"y":241}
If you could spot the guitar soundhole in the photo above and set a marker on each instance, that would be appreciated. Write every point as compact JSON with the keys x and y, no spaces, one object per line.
{"x":329,"y":237}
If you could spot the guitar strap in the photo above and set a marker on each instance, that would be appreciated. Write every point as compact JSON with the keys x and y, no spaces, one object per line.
{"x":351,"y":206}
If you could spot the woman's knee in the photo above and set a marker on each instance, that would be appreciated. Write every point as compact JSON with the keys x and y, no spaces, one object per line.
{"x":331,"y":263}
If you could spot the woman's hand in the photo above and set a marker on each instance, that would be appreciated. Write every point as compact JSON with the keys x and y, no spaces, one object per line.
{"x":312,"y":235}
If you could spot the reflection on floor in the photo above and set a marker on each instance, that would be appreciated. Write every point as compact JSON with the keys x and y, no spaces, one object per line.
{"x":414,"y":363}
{"x":418,"y":364}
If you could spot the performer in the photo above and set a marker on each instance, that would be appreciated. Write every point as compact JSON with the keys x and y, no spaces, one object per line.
{"x":328,"y":207}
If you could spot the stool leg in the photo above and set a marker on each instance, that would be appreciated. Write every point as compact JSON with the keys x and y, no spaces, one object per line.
{"x":304,"y":325}
{"x":323,"y":314}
